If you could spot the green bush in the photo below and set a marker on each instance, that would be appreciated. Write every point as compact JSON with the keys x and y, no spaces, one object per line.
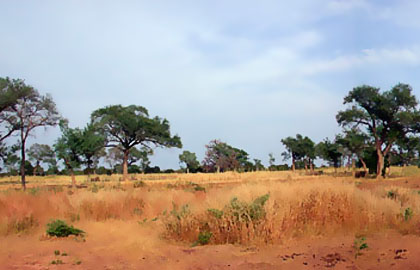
{"x":60,"y":229}
{"x":204,"y":238}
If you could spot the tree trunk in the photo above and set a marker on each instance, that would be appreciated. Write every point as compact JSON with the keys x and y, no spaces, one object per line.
{"x":73,"y":179}
{"x":380,"y":164}
{"x":188,"y":170}
{"x":125,"y":164}
{"x":311,"y":162}
{"x":364,"y":166}
{"x":353,"y":166}
{"x":306,"y":165}
{"x":23,"y":159}
{"x":293,"y":164}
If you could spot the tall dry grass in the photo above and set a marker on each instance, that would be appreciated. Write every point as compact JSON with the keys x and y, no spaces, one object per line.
{"x":295,"y":207}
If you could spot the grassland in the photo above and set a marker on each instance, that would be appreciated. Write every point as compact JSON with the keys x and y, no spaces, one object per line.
{"x":205,"y":221}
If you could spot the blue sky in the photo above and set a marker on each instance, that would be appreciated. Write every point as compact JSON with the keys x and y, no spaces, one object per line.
{"x":247,"y":72}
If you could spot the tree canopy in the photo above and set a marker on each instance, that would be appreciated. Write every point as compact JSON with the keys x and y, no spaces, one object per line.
{"x":126,"y":127}
{"x":386,"y":116}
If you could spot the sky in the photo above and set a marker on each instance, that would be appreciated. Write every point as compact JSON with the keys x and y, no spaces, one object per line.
{"x":246,"y":72}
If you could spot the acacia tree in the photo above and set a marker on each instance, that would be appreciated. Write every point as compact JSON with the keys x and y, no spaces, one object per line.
{"x":92,"y":144}
{"x":69,"y":148}
{"x":190,"y":161}
{"x":127,"y":127}
{"x":40,"y":153}
{"x":11,"y":90}
{"x":299,"y":148}
{"x":115,"y":155}
{"x":329,"y":151}
{"x":29,"y":112}
{"x":357,"y":143}
{"x":386,"y":116}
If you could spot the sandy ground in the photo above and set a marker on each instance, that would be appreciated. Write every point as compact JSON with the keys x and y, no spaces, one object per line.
{"x":122,"y":245}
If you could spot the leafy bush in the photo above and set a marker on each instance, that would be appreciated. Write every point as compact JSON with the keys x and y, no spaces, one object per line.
{"x":60,"y":229}
{"x":203,"y":238}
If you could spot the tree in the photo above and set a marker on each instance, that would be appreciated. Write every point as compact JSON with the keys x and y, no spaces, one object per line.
{"x":115,"y":155}
{"x":69,"y":148}
{"x":386,"y":116}
{"x":29,"y":112}
{"x":126,"y":127}
{"x":220,"y":156}
{"x":292,"y":149}
{"x":40,"y":153}
{"x":406,"y":150}
{"x":329,"y":151}
{"x":11,"y":90}
{"x":190,"y":161}
{"x":258,"y":165}
{"x":299,"y":149}
{"x":271,"y":159}
{"x":357,"y":143}
{"x":92,"y":144}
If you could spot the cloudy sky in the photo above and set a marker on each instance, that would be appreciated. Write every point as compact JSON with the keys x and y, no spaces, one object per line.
{"x":247,"y":72}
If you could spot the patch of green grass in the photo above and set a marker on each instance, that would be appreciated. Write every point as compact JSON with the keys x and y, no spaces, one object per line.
{"x":216,"y":213}
{"x":60,"y":229}
{"x":56,"y":252}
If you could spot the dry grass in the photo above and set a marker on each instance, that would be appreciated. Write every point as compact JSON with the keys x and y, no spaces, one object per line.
{"x":298,"y":206}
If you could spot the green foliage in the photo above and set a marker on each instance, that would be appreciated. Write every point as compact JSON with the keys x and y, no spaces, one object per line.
{"x":243,"y":211}
{"x":57,"y":261}
{"x":359,"y":245}
{"x":60,"y":229}
{"x":408,"y":214}
{"x":299,"y":149}
{"x":329,"y":151}
{"x":56,"y":252}
{"x":203,"y":238}
{"x":190,"y":161}
{"x":216,"y":213}
{"x":126,"y":127}
{"x":386,"y":116}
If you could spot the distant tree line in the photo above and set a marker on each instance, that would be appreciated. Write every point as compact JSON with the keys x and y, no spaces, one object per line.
{"x":379,"y":129}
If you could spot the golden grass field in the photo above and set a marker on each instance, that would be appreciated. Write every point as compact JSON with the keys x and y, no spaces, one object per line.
{"x":259,"y":220}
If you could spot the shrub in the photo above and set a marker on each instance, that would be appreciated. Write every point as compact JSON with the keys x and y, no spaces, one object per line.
{"x":203,"y":238}
{"x":408,"y":214}
{"x":60,"y":229}
{"x":359,"y":245}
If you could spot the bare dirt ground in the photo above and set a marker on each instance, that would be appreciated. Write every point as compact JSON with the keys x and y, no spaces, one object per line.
{"x":108,"y":247}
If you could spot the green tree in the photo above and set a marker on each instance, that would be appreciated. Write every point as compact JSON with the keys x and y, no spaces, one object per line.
{"x":69,"y":148}
{"x":299,"y":149}
{"x":386,"y":116}
{"x":258,"y":165}
{"x":357,"y":143}
{"x":29,"y":112}
{"x":190,"y":161}
{"x":115,"y":155}
{"x":126,"y":127}
{"x":41,"y":153}
{"x":329,"y":151}
{"x":92,"y":144}
{"x":11,"y":90}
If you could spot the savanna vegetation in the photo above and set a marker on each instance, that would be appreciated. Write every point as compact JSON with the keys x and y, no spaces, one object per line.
{"x":95,"y":185}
